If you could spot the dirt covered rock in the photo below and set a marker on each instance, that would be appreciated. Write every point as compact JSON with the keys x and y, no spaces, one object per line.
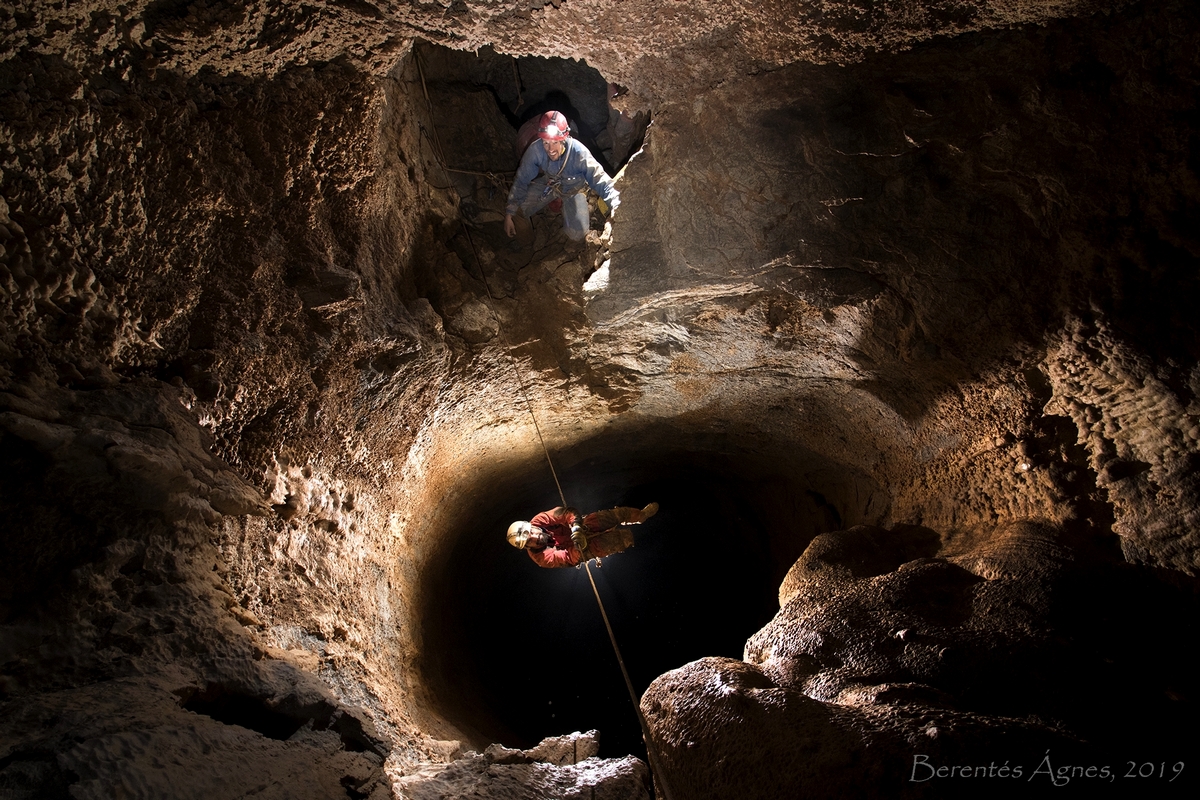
{"x":922,"y":274}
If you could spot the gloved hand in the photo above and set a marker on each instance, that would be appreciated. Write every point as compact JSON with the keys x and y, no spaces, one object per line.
{"x":579,"y":539}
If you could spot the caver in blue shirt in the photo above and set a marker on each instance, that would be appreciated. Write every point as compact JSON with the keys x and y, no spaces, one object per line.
{"x":564,"y":178}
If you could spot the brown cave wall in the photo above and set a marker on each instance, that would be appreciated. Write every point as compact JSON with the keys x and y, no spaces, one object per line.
{"x":950,"y":231}
{"x":238,"y":251}
{"x":757,"y":505}
{"x":945,"y":343}
{"x":947,"y":288}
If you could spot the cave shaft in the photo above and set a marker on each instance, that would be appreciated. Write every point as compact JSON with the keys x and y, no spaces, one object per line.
{"x":895,"y":319}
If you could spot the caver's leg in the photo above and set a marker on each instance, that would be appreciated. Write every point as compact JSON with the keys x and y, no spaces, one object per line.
{"x":575,"y":216}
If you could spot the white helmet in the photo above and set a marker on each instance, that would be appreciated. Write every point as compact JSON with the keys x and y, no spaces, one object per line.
{"x":518,"y":534}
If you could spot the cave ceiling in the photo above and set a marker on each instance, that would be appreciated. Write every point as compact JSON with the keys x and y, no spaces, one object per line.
{"x":898,"y":305}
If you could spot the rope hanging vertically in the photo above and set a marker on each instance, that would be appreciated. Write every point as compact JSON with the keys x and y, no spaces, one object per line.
{"x":655,"y":766}
{"x":492,"y":300}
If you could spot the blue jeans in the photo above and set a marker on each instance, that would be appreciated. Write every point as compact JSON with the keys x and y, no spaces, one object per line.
{"x":574,"y":203}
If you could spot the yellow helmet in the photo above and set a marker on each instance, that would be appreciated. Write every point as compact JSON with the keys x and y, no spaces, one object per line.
{"x":518,"y":534}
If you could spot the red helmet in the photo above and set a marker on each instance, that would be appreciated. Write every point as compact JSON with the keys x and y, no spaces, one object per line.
{"x":553,"y":127}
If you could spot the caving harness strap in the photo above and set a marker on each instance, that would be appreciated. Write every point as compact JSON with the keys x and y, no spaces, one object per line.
{"x":554,"y":182}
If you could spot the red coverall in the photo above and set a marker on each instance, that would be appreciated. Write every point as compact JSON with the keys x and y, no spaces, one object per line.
{"x":605,"y":533}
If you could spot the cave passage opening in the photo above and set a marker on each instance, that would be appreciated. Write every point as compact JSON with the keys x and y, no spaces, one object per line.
{"x":481,"y":99}
{"x":515,"y":653}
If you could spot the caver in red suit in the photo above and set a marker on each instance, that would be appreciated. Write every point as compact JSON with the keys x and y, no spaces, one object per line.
{"x":560,"y":538}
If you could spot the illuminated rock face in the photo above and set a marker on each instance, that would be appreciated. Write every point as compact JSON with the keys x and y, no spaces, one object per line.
{"x":884,"y":667}
{"x":904,"y":299}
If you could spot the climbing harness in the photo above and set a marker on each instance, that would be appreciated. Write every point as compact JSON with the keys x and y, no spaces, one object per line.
{"x":655,"y":765}
{"x":554,"y":183}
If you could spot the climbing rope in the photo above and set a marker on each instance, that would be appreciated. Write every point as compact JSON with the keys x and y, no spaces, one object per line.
{"x":655,"y":765}
{"x":517,"y":81}
{"x":440,"y":154}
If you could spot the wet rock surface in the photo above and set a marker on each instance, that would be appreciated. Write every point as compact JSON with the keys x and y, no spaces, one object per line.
{"x":924,"y":275}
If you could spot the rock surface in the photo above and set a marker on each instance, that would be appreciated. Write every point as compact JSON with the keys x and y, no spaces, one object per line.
{"x":923,"y":273}
{"x":882,"y":668}
{"x":563,"y":766}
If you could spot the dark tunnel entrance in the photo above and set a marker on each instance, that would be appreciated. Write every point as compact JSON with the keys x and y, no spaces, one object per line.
{"x":515,"y":653}
{"x":481,"y":98}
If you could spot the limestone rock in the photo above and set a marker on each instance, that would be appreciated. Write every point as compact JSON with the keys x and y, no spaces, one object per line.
{"x":914,"y":282}
{"x":563,"y":766}
{"x":870,"y":661}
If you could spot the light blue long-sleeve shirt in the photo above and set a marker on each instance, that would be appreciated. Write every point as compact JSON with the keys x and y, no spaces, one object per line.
{"x":579,"y":167}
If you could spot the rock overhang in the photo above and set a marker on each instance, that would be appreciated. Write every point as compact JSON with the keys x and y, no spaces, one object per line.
{"x":788,"y":343}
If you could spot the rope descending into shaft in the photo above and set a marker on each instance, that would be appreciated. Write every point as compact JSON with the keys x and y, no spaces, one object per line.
{"x":655,"y":766}
{"x":528,"y":404}
{"x":491,"y":299}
